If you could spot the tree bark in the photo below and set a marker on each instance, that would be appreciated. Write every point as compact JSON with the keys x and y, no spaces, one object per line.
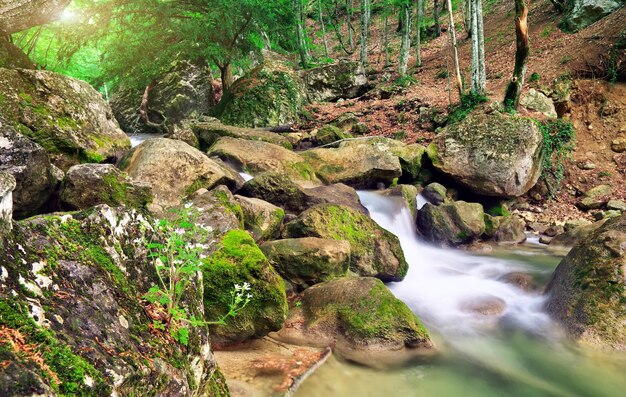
{"x":514,"y":88}
{"x":365,"y":22}
{"x":226,"y":73}
{"x":467,"y":17}
{"x":302,"y":47}
{"x":405,"y":45}
{"x":436,"y":16}
{"x":325,"y":40}
{"x":349,"y":18}
{"x":479,"y":76}
{"x":457,"y":68}
{"x":419,"y":5}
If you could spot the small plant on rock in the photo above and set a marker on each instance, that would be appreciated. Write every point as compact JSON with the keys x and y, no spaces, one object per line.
{"x":558,"y":137}
{"x":177,"y":253}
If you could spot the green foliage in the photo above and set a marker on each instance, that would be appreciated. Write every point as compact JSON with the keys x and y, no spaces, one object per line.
{"x":534,"y":77}
{"x":177,"y":261}
{"x":613,"y":63}
{"x":468,"y":102}
{"x":558,"y":137}
{"x":405,"y":81}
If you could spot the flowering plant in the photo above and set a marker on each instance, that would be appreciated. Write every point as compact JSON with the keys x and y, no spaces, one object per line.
{"x":177,"y":254}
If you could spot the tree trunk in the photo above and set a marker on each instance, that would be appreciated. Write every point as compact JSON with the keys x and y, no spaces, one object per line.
{"x":480,"y":31}
{"x":436,"y":16}
{"x":452,"y":33}
{"x":479,"y":76}
{"x":302,"y":50}
{"x":419,"y":4}
{"x":365,"y":22}
{"x":467,"y":17}
{"x":514,"y":88}
{"x":384,"y":39}
{"x":226,"y":72}
{"x":349,"y":18}
{"x":405,"y":46}
{"x":319,"y":7}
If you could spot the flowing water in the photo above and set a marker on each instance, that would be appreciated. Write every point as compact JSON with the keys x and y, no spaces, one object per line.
{"x":510,"y":347}
{"x":136,"y":139}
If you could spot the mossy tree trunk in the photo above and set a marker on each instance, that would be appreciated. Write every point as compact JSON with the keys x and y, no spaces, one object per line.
{"x":301,"y":34}
{"x":514,"y":88}
{"x":405,"y":45}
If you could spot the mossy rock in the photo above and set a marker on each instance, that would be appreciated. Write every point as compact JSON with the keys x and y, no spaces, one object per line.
{"x":375,"y":251}
{"x":435,"y":193}
{"x":329,"y":134}
{"x":218,"y":210}
{"x":239,"y":260}
{"x":340,"y":80}
{"x":67,"y":117}
{"x":87,"y":185}
{"x":407,"y":194}
{"x":587,"y":292}
{"x":210,"y":131}
{"x":71,"y":288}
{"x":260,"y":218}
{"x":452,"y":223}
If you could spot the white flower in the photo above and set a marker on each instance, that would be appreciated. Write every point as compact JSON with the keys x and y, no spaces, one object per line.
{"x":237,"y":287}
{"x":137,"y":241}
{"x":246,"y":286}
{"x":202,"y":256}
{"x":188,"y":205}
{"x":249,"y":296}
{"x":179,"y":231}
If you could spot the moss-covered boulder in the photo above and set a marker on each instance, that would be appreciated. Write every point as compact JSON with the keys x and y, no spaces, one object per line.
{"x":375,"y":252}
{"x":67,"y":117}
{"x":307,"y":261}
{"x":18,"y":15}
{"x":30,"y":165}
{"x":269,"y":95}
{"x":173,"y":169}
{"x":492,"y":154}
{"x":407,"y":194}
{"x":340,"y":80}
{"x":587,"y":292}
{"x":596,"y":197}
{"x":435,"y":193}
{"x":329,"y":134}
{"x":260,"y":218}
{"x":505,"y":229}
{"x":256,"y":157}
{"x":451,"y":223}
{"x":183,"y":92}
{"x":359,"y":165}
{"x":211,"y":130}
{"x":218,"y":209}
{"x":581,"y":13}
{"x":280,"y":190}
{"x":361,"y":318}
{"x":87,"y":185}
{"x":239,"y":260}
{"x":72,"y":318}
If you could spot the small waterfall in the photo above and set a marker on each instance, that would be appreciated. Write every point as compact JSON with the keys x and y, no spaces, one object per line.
{"x":246,"y":177}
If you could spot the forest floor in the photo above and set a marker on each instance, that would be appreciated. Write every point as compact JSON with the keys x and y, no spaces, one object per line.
{"x":598,"y":110}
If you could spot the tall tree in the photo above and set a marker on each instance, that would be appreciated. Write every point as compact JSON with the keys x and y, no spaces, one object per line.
{"x":405,"y":45}
{"x":365,"y":27}
{"x":452,"y":33}
{"x":325,"y":40}
{"x":303,"y":48}
{"x":349,"y":19}
{"x":514,"y":88}
{"x":419,"y":15}
{"x":479,"y":74}
{"x":436,"y":16}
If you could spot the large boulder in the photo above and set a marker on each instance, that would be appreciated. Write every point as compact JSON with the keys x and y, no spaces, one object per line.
{"x":269,"y":95}
{"x":87,"y":185}
{"x":357,"y":165}
{"x":256,"y":157}
{"x":587,"y":292}
{"x":341,"y":80}
{"x":491,"y":154}
{"x":67,"y":117}
{"x":218,"y":209}
{"x":582,"y":13}
{"x":361,"y":318}
{"x":7,"y":185}
{"x":280,"y":190}
{"x":310,"y":260}
{"x":239,"y":260}
{"x":183,"y":92}
{"x":539,"y":102}
{"x":174,"y":169}
{"x":375,"y":251}
{"x":451,"y":223}
{"x":18,"y":15}
{"x":72,"y":319}
{"x":30,"y":166}
{"x":260,"y":218}
{"x":208,"y":132}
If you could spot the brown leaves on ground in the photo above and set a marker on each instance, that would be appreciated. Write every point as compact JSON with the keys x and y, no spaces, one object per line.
{"x":16,"y":340}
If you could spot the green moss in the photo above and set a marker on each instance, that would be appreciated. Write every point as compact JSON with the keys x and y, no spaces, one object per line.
{"x":70,"y":368}
{"x":305,"y":170}
{"x":499,"y":209}
{"x":217,"y":385}
{"x":230,"y":206}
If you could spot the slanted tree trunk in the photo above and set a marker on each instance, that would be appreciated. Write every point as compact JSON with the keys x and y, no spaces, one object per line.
{"x":365,"y":23}
{"x":325,"y":40}
{"x":419,"y":5}
{"x":479,"y":75}
{"x":384,"y":41}
{"x":436,"y":16}
{"x":405,"y":45}
{"x":514,"y":88}
{"x":452,"y":33}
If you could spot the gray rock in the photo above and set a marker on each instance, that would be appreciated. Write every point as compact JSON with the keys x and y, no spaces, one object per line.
{"x":582,"y":13}
{"x":618,"y":205}
{"x":537,"y":101}
{"x":7,"y":185}
{"x":260,"y":218}
{"x":435,"y":193}
{"x":341,"y":80}
{"x":595,"y":198}
{"x":210,"y":131}
{"x":452,"y":223}
{"x":618,"y":145}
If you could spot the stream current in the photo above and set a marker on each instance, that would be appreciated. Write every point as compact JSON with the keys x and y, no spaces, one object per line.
{"x":510,"y":347}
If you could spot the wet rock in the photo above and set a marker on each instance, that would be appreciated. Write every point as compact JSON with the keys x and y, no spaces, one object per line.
{"x":452,"y":223}
{"x":174,"y":169}
{"x":183,"y":92}
{"x":361,"y":318}
{"x":537,"y":101}
{"x":329,"y":83}
{"x":238,"y":260}
{"x":307,"y":261}
{"x":595,"y":198}
{"x":510,"y":230}
{"x":492,"y":154}
{"x":261,"y":219}
{"x":257,"y":157}
{"x":30,"y":165}
{"x":554,"y":230}
{"x":375,"y":251}
{"x":407,"y":193}
{"x":80,"y":308}
{"x":523,"y":281}
{"x":87,"y":185}
{"x":210,"y":131}
{"x":546,"y":239}
{"x":563,"y":243}
{"x":280,"y":190}
{"x":18,"y":15}
{"x":587,"y":290}
{"x":487,"y":305}
{"x":67,"y":117}
{"x":435,"y":193}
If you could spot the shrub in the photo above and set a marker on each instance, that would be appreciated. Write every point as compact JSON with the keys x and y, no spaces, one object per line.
{"x":558,"y":137}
